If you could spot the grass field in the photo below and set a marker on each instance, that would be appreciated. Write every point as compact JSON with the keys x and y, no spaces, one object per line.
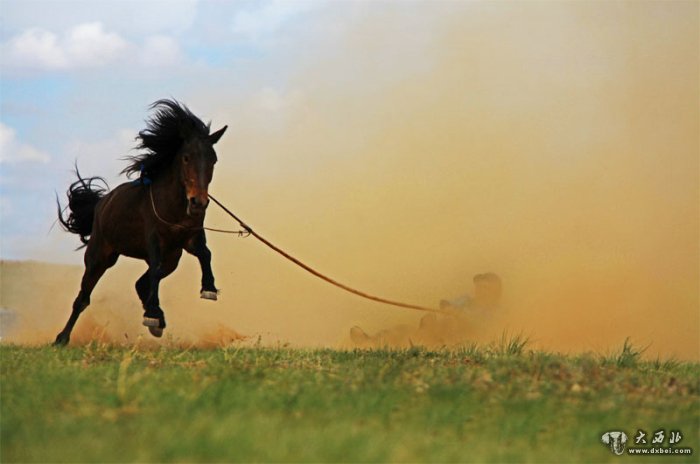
{"x":501,"y":403}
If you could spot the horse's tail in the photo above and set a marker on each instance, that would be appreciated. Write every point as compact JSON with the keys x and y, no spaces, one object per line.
{"x":83,"y":195}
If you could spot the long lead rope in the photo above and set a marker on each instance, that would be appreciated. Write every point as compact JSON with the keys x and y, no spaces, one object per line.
{"x":321,"y":276}
{"x":249,"y":231}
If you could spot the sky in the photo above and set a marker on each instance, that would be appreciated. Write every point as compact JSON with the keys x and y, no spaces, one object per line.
{"x":401,"y":147}
{"x":77,"y":77}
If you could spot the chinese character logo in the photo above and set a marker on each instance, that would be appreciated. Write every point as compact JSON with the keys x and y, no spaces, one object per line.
{"x":640,"y":439}
{"x":658,"y":437}
{"x":616,"y":440}
{"x":675,"y":437}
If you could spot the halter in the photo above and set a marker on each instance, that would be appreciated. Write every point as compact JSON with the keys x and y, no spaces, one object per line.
{"x":240,"y":233}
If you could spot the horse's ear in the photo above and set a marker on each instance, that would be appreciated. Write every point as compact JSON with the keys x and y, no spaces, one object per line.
{"x":213,"y":138}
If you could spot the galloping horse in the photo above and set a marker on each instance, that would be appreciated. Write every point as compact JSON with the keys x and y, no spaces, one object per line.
{"x":152,"y":218}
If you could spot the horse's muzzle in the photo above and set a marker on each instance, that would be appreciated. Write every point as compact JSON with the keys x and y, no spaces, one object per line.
{"x":197,"y":206}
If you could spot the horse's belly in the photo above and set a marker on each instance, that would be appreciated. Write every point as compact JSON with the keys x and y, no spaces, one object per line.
{"x":134,"y":253}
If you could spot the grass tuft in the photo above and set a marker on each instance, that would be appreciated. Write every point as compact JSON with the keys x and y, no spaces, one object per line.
{"x":629,"y":356}
{"x":512,"y":345}
{"x":665,"y":364}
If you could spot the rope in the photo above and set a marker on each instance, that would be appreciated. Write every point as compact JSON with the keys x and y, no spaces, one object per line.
{"x":249,"y":231}
{"x":240,"y":233}
{"x":321,"y":276}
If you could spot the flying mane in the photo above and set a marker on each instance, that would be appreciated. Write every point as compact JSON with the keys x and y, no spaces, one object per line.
{"x":167,"y":129}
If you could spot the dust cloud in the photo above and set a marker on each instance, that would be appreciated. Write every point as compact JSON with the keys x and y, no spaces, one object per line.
{"x":411,"y":146}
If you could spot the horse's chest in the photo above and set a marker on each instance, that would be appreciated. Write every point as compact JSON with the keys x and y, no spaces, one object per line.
{"x":177,"y":239}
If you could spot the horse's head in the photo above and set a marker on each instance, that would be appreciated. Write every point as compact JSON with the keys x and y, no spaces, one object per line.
{"x":177,"y":143}
{"x":196,"y":159}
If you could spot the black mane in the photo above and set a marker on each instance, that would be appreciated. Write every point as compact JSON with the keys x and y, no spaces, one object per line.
{"x":169,"y":127}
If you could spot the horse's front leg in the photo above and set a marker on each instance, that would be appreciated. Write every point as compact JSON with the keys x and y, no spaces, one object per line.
{"x":197,"y":246}
{"x":161,"y":263}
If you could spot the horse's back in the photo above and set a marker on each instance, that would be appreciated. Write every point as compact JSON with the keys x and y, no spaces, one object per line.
{"x":123,"y":201}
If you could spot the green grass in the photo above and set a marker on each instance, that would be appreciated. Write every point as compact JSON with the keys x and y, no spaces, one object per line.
{"x":499,"y":403}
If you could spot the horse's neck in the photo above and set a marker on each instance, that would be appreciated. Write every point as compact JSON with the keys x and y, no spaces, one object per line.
{"x":169,"y":197}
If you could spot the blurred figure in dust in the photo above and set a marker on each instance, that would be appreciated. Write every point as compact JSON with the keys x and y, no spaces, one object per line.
{"x":464,"y":314}
{"x":487,"y":295}
{"x":467,"y":311}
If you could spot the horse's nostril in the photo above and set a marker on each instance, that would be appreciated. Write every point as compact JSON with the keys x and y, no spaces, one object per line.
{"x":198,"y":203}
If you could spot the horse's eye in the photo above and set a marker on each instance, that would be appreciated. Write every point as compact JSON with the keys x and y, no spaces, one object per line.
{"x":186,"y":158}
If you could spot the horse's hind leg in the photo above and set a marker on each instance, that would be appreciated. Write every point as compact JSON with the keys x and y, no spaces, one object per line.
{"x":143,"y":288}
{"x":197,"y":246}
{"x":158,"y":269}
{"x":151,"y":318}
{"x":95,"y":267}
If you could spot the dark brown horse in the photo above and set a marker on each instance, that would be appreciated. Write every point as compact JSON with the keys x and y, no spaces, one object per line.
{"x":152,"y":218}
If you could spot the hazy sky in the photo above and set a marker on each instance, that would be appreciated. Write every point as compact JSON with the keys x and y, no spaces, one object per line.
{"x":77,"y":77}
{"x":399,"y":146}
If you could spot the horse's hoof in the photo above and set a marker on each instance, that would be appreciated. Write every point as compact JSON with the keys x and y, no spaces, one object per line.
{"x":151,"y":322}
{"x":156,"y":331}
{"x":208,"y":295}
{"x":61,"y":339}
